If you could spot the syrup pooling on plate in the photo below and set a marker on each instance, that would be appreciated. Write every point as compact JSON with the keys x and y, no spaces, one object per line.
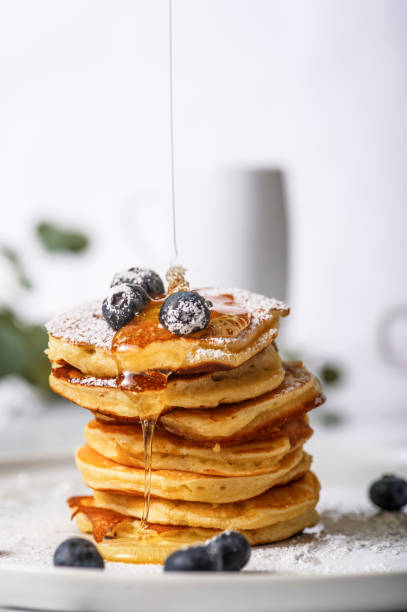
{"x":134,"y":544}
{"x":154,"y":548}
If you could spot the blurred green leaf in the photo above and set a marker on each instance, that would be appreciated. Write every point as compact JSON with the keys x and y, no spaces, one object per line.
{"x":331,"y":418}
{"x":22,"y":350}
{"x":55,"y":238}
{"x":331,"y":374}
{"x":37,"y":370}
{"x":13,"y":358}
{"x":13,"y":258}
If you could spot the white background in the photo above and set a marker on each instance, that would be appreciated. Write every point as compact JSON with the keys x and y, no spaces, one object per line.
{"x":317,"y":89}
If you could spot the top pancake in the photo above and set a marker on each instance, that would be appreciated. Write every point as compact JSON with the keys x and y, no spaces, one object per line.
{"x":242,"y":324}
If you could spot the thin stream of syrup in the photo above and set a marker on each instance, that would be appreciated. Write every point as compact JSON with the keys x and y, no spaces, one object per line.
{"x":151,"y":330}
{"x":144,"y":544}
{"x":148,"y":424}
{"x":227,"y":319}
{"x":172,"y":148}
{"x":148,"y":427}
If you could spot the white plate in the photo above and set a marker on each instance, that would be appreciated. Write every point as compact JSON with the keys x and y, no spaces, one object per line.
{"x":355,"y":559}
{"x":92,"y":590}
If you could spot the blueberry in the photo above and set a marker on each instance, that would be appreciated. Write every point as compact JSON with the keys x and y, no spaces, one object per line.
{"x":193,"y":559}
{"x":148,"y":279}
{"x":234,"y":549}
{"x":185,"y":312}
{"x":122,"y":303}
{"x":389,"y":493}
{"x":78,"y":552}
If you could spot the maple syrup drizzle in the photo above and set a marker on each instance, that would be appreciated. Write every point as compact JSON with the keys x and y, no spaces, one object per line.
{"x":225,"y":304}
{"x":149,"y":546}
{"x":146,"y":327}
{"x":147,"y":426}
{"x":171,"y":113}
{"x":228,"y":318}
{"x":133,"y":545}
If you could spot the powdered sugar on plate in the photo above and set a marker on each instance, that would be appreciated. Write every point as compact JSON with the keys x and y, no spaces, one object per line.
{"x":351,"y":538}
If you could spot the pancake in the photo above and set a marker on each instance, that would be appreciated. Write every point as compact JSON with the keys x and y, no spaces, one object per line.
{"x":234,"y":423}
{"x":279,"y":514}
{"x":242,"y":324}
{"x":124,"y":444}
{"x":105,"y":475}
{"x":276,"y":504}
{"x":154,"y":393}
{"x":127,"y":548}
{"x":231,"y":424}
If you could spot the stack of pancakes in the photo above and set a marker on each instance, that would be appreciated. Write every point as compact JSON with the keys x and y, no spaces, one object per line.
{"x":228,"y":443}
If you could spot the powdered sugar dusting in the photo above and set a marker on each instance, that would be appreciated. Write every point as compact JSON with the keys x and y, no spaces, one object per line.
{"x":260,"y":307}
{"x":118,"y":288}
{"x":351,"y":538}
{"x":92,"y":381}
{"x":253,"y":302}
{"x":83,"y":325}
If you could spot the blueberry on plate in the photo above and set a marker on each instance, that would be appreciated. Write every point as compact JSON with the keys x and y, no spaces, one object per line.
{"x":185,"y":312}
{"x":389,"y":492}
{"x":233,"y":548}
{"x":123,"y":303}
{"x":78,"y":552}
{"x":193,"y":559}
{"x":148,"y":279}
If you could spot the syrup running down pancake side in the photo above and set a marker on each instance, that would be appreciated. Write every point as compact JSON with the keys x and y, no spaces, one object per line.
{"x":143,"y":356}
{"x":228,"y":319}
{"x":242,"y":325}
{"x":275,"y":515}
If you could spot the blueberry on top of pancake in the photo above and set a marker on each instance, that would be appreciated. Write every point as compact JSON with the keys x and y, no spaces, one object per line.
{"x":146,"y":278}
{"x":241,"y":325}
{"x":185,"y":312}
{"x":122,"y":303}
